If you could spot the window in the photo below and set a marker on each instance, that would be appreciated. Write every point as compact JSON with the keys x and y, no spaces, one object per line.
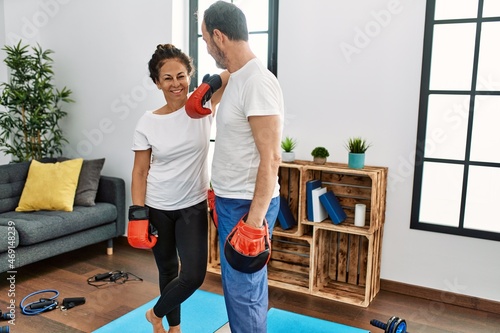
{"x":262,"y":21}
{"x":457,"y":167}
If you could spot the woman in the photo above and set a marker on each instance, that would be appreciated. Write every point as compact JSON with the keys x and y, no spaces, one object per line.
{"x":170,"y":178}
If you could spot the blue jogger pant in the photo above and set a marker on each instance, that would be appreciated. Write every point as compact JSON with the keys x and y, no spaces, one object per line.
{"x":246,"y":295}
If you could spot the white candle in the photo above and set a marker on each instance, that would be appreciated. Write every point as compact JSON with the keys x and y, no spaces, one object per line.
{"x":359,"y":215}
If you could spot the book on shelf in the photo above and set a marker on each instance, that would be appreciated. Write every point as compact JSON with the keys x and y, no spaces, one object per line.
{"x":285,"y":215}
{"x":319,"y":212}
{"x":333,"y":207}
{"x":311,"y":185}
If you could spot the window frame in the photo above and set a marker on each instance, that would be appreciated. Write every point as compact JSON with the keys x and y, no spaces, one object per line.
{"x":272,"y":54}
{"x":425,"y":92}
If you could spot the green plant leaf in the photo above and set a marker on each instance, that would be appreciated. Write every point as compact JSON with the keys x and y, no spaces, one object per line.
{"x":29,"y":128}
{"x":288,"y":144}
{"x":320,"y":152}
{"x":357,"y":145}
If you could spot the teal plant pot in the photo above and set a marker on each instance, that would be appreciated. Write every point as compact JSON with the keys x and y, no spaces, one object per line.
{"x":356,"y":161}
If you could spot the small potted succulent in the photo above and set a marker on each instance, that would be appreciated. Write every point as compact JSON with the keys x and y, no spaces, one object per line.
{"x":319,"y":155}
{"x":288,"y":144}
{"x":357,"y":148}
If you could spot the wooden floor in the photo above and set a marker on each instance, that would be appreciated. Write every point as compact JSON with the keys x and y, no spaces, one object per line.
{"x":68,"y":274}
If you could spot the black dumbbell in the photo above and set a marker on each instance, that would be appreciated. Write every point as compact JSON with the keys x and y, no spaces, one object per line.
{"x":5,"y":316}
{"x":394,"y":325}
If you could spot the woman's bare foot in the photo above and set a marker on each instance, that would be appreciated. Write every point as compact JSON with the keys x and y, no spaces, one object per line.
{"x":155,"y":321}
{"x":175,"y":329}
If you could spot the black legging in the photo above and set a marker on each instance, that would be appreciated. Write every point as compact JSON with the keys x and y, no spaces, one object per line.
{"x":182,"y":235}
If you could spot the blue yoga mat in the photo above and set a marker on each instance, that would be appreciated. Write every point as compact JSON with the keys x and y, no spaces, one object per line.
{"x":280,"y":321}
{"x":203,"y":312}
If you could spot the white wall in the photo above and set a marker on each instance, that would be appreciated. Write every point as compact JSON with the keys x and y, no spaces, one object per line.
{"x":373,"y":91}
{"x":102,"y":48}
{"x":3,"y":69}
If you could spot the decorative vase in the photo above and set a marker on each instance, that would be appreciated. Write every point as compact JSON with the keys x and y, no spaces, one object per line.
{"x":356,"y":160}
{"x":319,"y":160}
{"x":287,"y":156}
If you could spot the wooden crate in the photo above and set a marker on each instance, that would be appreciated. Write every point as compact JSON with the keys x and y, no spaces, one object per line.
{"x":350,"y":186}
{"x":334,"y":261}
{"x":346,"y":266}
{"x":377,"y":259}
{"x":290,"y":266}
{"x":289,"y":176}
{"x":213,"y":264}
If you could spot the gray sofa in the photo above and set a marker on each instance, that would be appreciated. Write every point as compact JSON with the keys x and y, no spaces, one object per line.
{"x":27,"y":237}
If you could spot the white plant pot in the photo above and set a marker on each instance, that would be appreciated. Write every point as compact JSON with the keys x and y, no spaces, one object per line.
{"x":287,"y":156}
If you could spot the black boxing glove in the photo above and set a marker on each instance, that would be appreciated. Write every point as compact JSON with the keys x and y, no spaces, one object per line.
{"x":196,"y":101}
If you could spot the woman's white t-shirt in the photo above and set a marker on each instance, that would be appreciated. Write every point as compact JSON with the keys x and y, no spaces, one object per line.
{"x":178,"y":174}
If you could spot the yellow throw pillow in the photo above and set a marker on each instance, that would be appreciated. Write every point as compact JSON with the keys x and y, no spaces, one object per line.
{"x":50,"y":186}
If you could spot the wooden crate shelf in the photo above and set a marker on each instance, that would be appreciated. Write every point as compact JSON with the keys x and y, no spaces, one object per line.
{"x":345,"y":262}
{"x":351,"y":186}
{"x":342,"y":292}
{"x":290,"y":263}
{"x":290,"y":188}
{"x":213,"y":264}
{"x":334,"y":261}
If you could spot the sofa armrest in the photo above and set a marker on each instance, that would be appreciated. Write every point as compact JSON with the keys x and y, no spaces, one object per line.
{"x":112,"y":190}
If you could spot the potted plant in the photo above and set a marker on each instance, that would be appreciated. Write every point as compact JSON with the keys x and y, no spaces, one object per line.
{"x":357,"y":148}
{"x":319,"y":155}
{"x":29,"y":127}
{"x":288,"y":144}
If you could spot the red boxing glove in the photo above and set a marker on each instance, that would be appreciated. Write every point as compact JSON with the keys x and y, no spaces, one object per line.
{"x":196,"y":101}
{"x":211,"y":207}
{"x":248,"y":249}
{"x":139,"y":233}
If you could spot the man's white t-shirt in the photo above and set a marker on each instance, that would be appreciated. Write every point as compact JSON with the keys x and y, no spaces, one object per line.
{"x":251,"y":91}
{"x":178,"y":174}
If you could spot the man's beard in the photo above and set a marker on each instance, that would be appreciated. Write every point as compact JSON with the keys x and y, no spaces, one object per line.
{"x":219,"y":58}
{"x":219,"y":65}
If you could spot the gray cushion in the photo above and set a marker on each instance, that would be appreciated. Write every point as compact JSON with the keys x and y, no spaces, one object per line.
{"x":88,"y":182}
{"x":12,"y":179}
{"x":39,"y":226}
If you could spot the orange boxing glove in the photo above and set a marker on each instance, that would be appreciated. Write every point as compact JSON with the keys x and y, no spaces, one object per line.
{"x":211,"y":207}
{"x":248,"y":249}
{"x":196,"y":101}
{"x":139,"y":232}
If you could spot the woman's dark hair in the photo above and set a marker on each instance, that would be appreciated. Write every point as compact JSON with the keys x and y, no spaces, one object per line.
{"x":164,"y":52}
{"x":227,"y":18}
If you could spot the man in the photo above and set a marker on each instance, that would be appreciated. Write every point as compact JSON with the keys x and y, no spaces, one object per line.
{"x":246,"y":156}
